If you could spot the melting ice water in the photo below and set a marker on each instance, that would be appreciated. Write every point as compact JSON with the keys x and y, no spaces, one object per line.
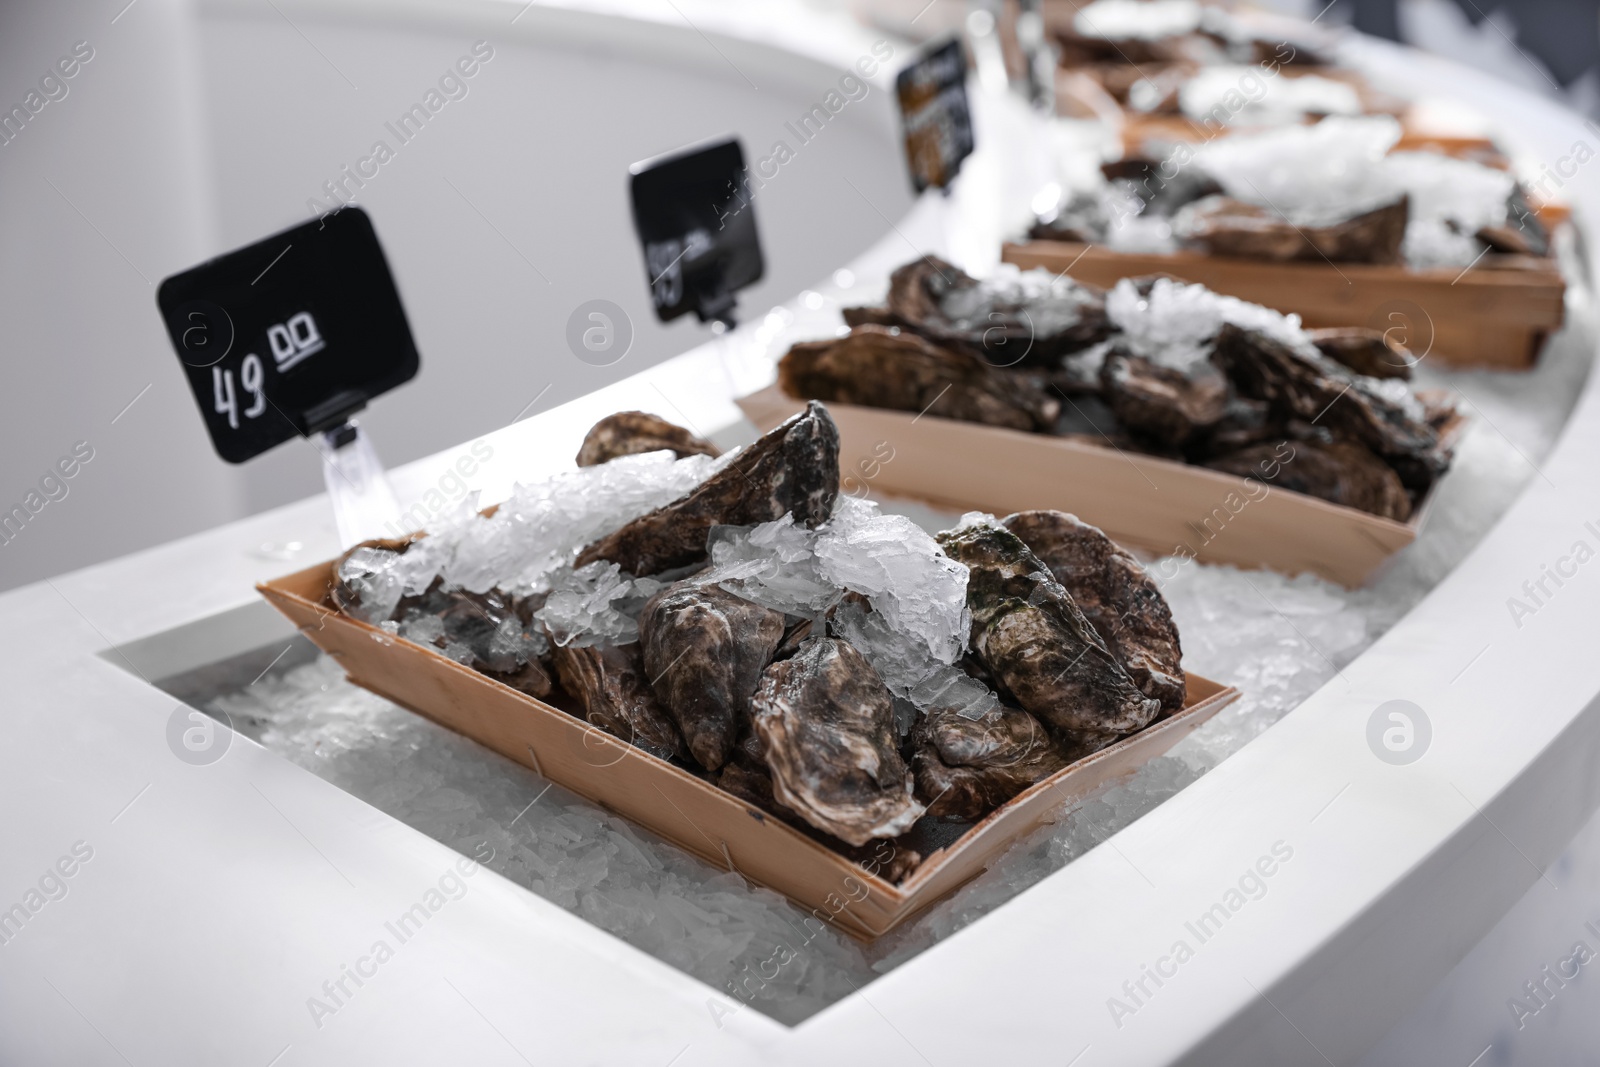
{"x":710,"y":924}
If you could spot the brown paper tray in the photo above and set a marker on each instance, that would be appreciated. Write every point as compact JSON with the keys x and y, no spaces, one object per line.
{"x":1160,"y":505}
{"x":690,"y":812}
{"x":1496,"y":314}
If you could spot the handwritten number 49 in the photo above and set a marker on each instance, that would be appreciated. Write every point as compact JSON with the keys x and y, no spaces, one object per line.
{"x":226,"y":400}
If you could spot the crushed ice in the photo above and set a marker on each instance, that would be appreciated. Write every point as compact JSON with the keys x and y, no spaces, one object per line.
{"x":1174,"y":324}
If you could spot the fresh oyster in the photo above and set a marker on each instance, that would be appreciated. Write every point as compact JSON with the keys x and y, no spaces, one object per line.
{"x":1115,"y":594}
{"x":1015,"y":319}
{"x":883,"y":367}
{"x":1037,"y":645}
{"x":826,"y":725}
{"x":704,"y":650}
{"x":1248,"y":422}
{"x":965,"y":768}
{"x":1522,"y":233}
{"x":792,"y":468}
{"x":1223,"y":226}
{"x":610,"y":686}
{"x":1340,"y":472}
{"x":1382,"y":415}
{"x":1166,"y":404}
{"x":629,"y":433}
{"x":1363,"y":350}
{"x":1150,"y":176}
{"x":491,"y":632}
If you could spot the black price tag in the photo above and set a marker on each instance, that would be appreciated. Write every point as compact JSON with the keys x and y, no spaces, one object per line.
{"x":288,"y":336}
{"x":694,"y":217}
{"x":932,"y":93}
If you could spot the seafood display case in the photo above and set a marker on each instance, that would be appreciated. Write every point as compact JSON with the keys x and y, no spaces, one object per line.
{"x":865,"y":684}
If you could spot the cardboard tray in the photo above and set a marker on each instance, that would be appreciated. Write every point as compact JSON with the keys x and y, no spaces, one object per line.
{"x":690,"y":812}
{"x":1495,"y":314}
{"x":1160,"y":505}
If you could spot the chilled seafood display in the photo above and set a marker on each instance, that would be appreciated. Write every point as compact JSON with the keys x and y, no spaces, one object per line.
{"x":1175,"y":370}
{"x":833,"y":666}
{"x":1343,"y":190}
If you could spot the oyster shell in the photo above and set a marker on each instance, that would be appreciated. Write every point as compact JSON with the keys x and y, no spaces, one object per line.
{"x":886,"y":368}
{"x":704,"y":650}
{"x":1340,"y":472}
{"x":1036,"y":644}
{"x":609,"y":684}
{"x":1115,"y":594}
{"x":490,"y":632}
{"x":629,"y":433}
{"x":1168,"y":405}
{"x":965,"y":768}
{"x":1223,"y":226}
{"x":1365,"y":351}
{"x":1381,"y":415}
{"x":826,"y":725}
{"x":792,"y":468}
{"x":1003,"y":325}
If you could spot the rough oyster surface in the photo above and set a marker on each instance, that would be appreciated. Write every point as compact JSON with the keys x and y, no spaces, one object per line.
{"x":965,"y":768}
{"x":826,"y":726}
{"x":1036,"y":644}
{"x":1223,"y":226}
{"x":704,"y":650}
{"x":610,"y":685}
{"x":1340,"y":472}
{"x":1013,"y":319}
{"x":1170,"y":405}
{"x":628,"y":433}
{"x":1115,"y":594}
{"x":1365,"y":351}
{"x":792,"y":468}
{"x":883,"y":367}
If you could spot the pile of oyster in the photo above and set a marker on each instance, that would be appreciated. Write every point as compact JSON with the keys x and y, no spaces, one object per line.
{"x":1140,"y":51}
{"x":1153,"y":366}
{"x":737,"y":616}
{"x":1336,"y":191}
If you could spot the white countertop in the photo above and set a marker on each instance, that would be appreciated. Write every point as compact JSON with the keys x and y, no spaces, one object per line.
{"x":218,"y":898}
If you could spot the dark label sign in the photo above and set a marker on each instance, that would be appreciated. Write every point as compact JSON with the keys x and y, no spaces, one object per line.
{"x":693,"y":212}
{"x":289,"y":335}
{"x":932,"y":93}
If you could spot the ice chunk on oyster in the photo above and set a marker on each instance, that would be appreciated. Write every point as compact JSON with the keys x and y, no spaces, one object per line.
{"x":773,"y":564}
{"x":905,"y":573}
{"x":595,"y":604}
{"x":907,"y":669}
{"x":826,"y":726}
{"x":368,"y":582}
{"x":1173,"y":324}
{"x":489,"y":632}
